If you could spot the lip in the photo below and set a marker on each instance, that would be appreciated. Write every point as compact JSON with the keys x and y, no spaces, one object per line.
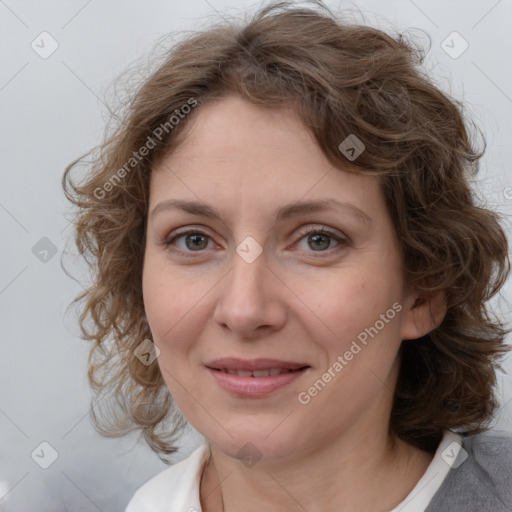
{"x":233,"y":363}
{"x":255,"y":387}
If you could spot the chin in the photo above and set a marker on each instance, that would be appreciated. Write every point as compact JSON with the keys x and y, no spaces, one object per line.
{"x":254,"y":444}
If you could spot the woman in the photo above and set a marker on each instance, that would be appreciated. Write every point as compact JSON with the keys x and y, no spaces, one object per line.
{"x":289,"y":256}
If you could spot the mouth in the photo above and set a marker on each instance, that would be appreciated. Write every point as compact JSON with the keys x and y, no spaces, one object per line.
{"x":271,"y":372}
{"x":256,"y":378}
{"x":254,"y":366}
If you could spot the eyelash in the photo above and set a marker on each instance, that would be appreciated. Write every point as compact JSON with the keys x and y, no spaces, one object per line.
{"x":304,"y":233}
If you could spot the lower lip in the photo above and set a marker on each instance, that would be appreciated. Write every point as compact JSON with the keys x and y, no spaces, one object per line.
{"x":254,"y":386}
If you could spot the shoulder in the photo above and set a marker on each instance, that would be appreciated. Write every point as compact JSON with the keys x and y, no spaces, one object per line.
{"x":490,"y":446}
{"x":480,"y":478}
{"x":491,"y":457}
{"x":174,"y":488}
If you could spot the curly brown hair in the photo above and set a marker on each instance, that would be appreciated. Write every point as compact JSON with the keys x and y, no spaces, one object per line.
{"x":342,"y":78}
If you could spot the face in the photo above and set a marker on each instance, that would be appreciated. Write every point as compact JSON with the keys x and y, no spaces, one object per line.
{"x":253,"y":284}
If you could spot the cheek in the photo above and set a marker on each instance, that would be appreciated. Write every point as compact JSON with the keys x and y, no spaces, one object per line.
{"x":168,"y":302}
{"x":178,"y":306}
{"x":350,"y":307}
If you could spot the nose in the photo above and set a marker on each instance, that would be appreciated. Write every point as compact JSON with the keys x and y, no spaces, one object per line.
{"x":251,"y":299}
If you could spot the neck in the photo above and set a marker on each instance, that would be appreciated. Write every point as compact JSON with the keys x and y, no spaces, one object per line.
{"x":370,"y":475}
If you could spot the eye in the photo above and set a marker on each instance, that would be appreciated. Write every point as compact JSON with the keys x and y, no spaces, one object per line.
{"x":196,"y":240}
{"x":321,"y":238}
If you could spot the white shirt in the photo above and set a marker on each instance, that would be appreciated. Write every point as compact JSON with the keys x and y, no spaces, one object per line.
{"x":176,"y":489}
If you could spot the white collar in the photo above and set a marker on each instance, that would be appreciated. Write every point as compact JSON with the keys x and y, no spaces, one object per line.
{"x":176,"y":488}
{"x":423,"y":492}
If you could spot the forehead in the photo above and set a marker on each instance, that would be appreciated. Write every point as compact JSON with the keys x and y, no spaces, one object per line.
{"x":238,"y":153}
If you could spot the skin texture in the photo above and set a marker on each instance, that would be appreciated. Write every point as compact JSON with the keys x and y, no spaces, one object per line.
{"x":302,"y":299}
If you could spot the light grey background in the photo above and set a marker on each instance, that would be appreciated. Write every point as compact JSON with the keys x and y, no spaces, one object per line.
{"x":52,"y":112}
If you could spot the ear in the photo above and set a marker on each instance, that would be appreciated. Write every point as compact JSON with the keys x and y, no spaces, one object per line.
{"x":423,"y":313}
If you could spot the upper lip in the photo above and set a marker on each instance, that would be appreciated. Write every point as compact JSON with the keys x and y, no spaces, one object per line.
{"x":232,"y":363}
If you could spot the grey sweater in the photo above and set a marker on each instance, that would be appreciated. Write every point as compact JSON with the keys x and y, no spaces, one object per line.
{"x":483,"y":482}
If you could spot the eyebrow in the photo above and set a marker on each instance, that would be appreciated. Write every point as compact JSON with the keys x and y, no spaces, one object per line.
{"x":283,"y":213}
